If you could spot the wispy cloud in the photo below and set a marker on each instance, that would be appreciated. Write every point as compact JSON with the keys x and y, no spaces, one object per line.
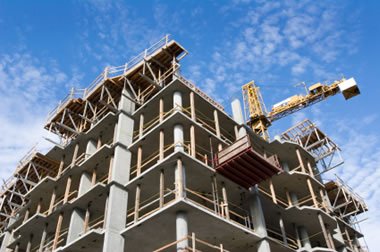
{"x":28,"y":89}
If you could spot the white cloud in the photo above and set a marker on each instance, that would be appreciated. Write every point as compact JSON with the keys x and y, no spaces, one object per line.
{"x":28,"y":89}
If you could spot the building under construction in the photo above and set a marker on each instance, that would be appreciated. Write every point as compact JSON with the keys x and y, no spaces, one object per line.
{"x":148,"y":162}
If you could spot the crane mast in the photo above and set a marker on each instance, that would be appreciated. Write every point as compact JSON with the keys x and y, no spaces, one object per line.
{"x":260,"y":120}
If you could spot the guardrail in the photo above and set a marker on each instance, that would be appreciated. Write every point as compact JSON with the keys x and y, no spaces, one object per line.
{"x":108,"y":72}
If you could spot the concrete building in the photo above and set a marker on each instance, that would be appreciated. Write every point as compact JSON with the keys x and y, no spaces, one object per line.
{"x":149,"y":162}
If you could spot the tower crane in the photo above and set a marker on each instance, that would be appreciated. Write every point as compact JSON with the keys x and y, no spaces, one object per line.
{"x":258,"y":117}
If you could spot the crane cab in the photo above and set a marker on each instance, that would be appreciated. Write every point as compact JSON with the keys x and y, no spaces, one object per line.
{"x":316,"y":89}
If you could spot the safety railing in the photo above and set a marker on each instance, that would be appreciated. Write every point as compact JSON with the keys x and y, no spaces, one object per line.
{"x":108,"y":72}
{"x":195,"y":245}
{"x":290,"y":241}
{"x":150,"y":205}
{"x":200,"y":92}
{"x":228,"y":210}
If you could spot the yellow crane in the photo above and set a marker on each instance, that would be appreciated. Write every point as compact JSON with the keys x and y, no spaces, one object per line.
{"x":258,"y":117}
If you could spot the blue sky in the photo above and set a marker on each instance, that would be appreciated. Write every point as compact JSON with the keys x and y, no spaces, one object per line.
{"x":46,"y":47}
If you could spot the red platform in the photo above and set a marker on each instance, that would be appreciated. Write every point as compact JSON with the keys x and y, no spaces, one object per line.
{"x":243,"y":165}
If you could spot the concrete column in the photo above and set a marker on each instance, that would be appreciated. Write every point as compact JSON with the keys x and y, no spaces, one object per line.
{"x":85,"y":183}
{"x":162,"y":188}
{"x":225,"y":201}
{"x":76,"y":226}
{"x":180,"y":180}
{"x":237,"y":115}
{"x":299,"y":244}
{"x":177,"y":100}
{"x":258,"y":220}
{"x":182,"y":231}
{"x":217,"y":125}
{"x":43,"y":238}
{"x":178,"y":137}
{"x":161,"y":145}
{"x":282,"y":228}
{"x":141,"y":125}
{"x":137,"y":202}
{"x":116,"y":212}
{"x":8,"y":236}
{"x":91,"y":147}
{"x":294,"y":198}
{"x":304,"y":238}
{"x":285,"y":166}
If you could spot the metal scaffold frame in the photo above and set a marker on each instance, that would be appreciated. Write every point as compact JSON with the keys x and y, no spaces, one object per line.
{"x":325,"y":151}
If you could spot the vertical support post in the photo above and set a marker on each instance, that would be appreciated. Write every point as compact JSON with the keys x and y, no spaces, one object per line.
{"x":258,"y":220}
{"x":61,"y":165}
{"x":75,"y":154}
{"x":179,"y":175}
{"x":86,"y":220}
{"x":84,"y":183}
{"x":299,"y":244}
{"x":161,"y":144}
{"x":182,"y":231}
{"x":310,"y":169}
{"x":76,"y":226}
{"x":282,"y":228}
{"x":57,"y":231}
{"x":26,"y":217}
{"x":67,"y":190}
{"x":323,"y":227}
{"x":90,"y":148}
{"x":192,"y":106}
{"x":162,"y":187}
{"x":309,"y":185}
{"x":93,"y":177}
{"x":161,"y":112}
{"x":217,"y":126}
{"x":139,"y":161}
{"x":43,"y":239}
{"x":192,"y":140}
{"x":39,"y":206}
{"x":290,"y":203}
{"x":178,"y":137}
{"x":300,"y":160}
{"x":273,"y":193}
{"x":52,"y":200}
{"x":117,"y":202}
{"x":225,"y":200}
{"x":29,"y":244}
{"x":193,"y":242}
{"x":137,"y":203}
{"x":141,"y":126}
{"x":305,"y":238}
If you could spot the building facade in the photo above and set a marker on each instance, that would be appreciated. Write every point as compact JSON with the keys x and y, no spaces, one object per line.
{"x":149,"y":162}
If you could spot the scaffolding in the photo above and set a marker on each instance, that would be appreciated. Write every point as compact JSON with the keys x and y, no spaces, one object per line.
{"x":31,"y":169}
{"x":325,"y":151}
{"x":144,"y":75}
{"x":345,"y":202}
